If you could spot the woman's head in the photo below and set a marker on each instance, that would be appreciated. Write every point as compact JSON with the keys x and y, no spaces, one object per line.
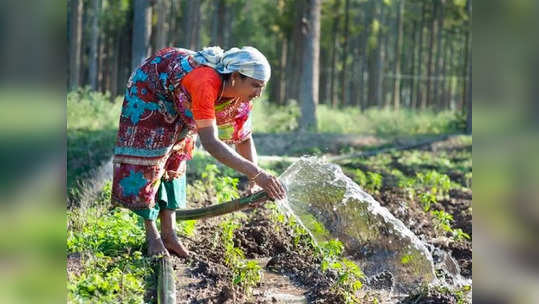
{"x":247,"y":61}
{"x":246,"y":70}
{"x":244,"y":87}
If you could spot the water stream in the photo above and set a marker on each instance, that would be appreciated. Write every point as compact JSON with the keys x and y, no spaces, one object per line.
{"x":320,"y":193}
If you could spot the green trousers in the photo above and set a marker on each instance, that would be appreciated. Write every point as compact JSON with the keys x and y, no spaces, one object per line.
{"x":171,"y":195}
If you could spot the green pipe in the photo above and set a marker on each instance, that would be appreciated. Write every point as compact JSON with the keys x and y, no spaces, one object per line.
{"x":166,"y":285}
{"x":220,"y":209}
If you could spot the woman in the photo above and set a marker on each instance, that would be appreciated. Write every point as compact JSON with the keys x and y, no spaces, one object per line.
{"x":171,"y":98}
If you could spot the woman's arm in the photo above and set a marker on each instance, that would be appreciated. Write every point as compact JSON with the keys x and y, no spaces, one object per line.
{"x":207,"y":130}
{"x":247,"y":149}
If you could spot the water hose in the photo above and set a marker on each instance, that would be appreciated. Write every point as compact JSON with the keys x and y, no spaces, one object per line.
{"x":220,"y":209}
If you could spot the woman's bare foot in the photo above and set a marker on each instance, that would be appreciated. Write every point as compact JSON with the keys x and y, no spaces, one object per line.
{"x":153,"y":240}
{"x":168,"y":233}
{"x":174,"y":246}
{"x":156,"y":247}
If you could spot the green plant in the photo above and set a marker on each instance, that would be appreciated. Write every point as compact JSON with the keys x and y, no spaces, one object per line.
{"x":375,"y":181}
{"x":442,"y":220}
{"x":226,"y":187}
{"x":427,"y":199}
{"x":245,"y":273}
{"x":349,"y":275}
{"x":187,"y":227}
{"x":459,"y":235}
{"x":360,"y":177}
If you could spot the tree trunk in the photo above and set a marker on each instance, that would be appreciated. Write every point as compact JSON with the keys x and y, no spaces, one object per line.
{"x":94,"y":44}
{"x":295,"y":51}
{"x":344,"y":59}
{"x":142,"y":30}
{"x":115,"y":49}
{"x":420,"y":93}
{"x":444,"y":74}
{"x":469,"y":68}
{"x":439,"y":58}
{"x":432,"y":31}
{"x":309,"y":76}
{"x":380,"y":57}
{"x":334,"y":31}
{"x":221,"y":12}
{"x":398,"y":48}
{"x":172,"y":31}
{"x":75,"y":43}
{"x":163,"y":26}
{"x":413,"y":67}
{"x":195,"y":28}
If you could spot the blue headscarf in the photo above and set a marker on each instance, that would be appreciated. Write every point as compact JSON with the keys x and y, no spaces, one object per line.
{"x":247,"y":61}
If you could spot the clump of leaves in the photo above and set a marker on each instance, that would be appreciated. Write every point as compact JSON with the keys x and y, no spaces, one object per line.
{"x":226,"y":187}
{"x":349,"y":275}
{"x":442,"y":222}
{"x":245,"y":273}
{"x":427,"y":199}
{"x":372,"y":181}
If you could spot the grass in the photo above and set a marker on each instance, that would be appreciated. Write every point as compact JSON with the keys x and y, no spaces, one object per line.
{"x":268,"y":118}
{"x":92,"y":123}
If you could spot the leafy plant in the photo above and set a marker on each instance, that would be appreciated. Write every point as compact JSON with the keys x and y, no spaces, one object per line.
{"x":187,"y":227}
{"x":375,"y":181}
{"x":427,"y":199}
{"x":245,"y":273}
{"x":459,"y":235}
{"x":442,"y":220}
{"x":349,"y":275}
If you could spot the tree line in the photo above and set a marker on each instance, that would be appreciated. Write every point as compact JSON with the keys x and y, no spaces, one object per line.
{"x":393,"y":54}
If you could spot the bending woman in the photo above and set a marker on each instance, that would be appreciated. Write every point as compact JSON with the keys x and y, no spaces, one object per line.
{"x":171,"y":98}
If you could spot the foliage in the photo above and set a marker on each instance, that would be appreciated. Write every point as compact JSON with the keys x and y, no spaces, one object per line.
{"x":225,"y":187}
{"x":91,"y":131}
{"x":269,"y":118}
{"x":372,"y":181}
{"x":110,"y":245}
{"x":348,"y":273}
{"x":187,"y":227}
{"x":245,"y":273}
{"x":442,"y":221}
{"x":106,"y":279}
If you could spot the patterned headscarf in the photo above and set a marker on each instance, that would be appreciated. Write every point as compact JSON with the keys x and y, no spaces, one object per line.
{"x":247,"y":61}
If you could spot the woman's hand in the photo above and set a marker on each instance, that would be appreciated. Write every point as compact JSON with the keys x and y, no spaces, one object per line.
{"x":270,"y":184}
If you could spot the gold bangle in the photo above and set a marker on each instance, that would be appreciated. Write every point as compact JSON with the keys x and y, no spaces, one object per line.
{"x":252,"y":179}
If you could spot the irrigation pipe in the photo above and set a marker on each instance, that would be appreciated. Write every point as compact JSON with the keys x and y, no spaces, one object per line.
{"x":220,"y":209}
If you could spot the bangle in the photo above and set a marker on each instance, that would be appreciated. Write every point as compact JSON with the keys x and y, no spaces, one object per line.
{"x":252,"y":179}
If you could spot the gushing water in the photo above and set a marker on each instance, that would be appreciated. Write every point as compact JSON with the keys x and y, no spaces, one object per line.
{"x":319,"y":193}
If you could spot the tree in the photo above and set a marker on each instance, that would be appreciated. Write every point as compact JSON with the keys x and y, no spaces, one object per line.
{"x":344,"y":59}
{"x":309,"y":77}
{"x":75,"y":41}
{"x":469,"y":68}
{"x":398,"y":50}
{"x":334,"y":31}
{"x":94,"y":42}
{"x":142,"y":30}
{"x":163,"y":24}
